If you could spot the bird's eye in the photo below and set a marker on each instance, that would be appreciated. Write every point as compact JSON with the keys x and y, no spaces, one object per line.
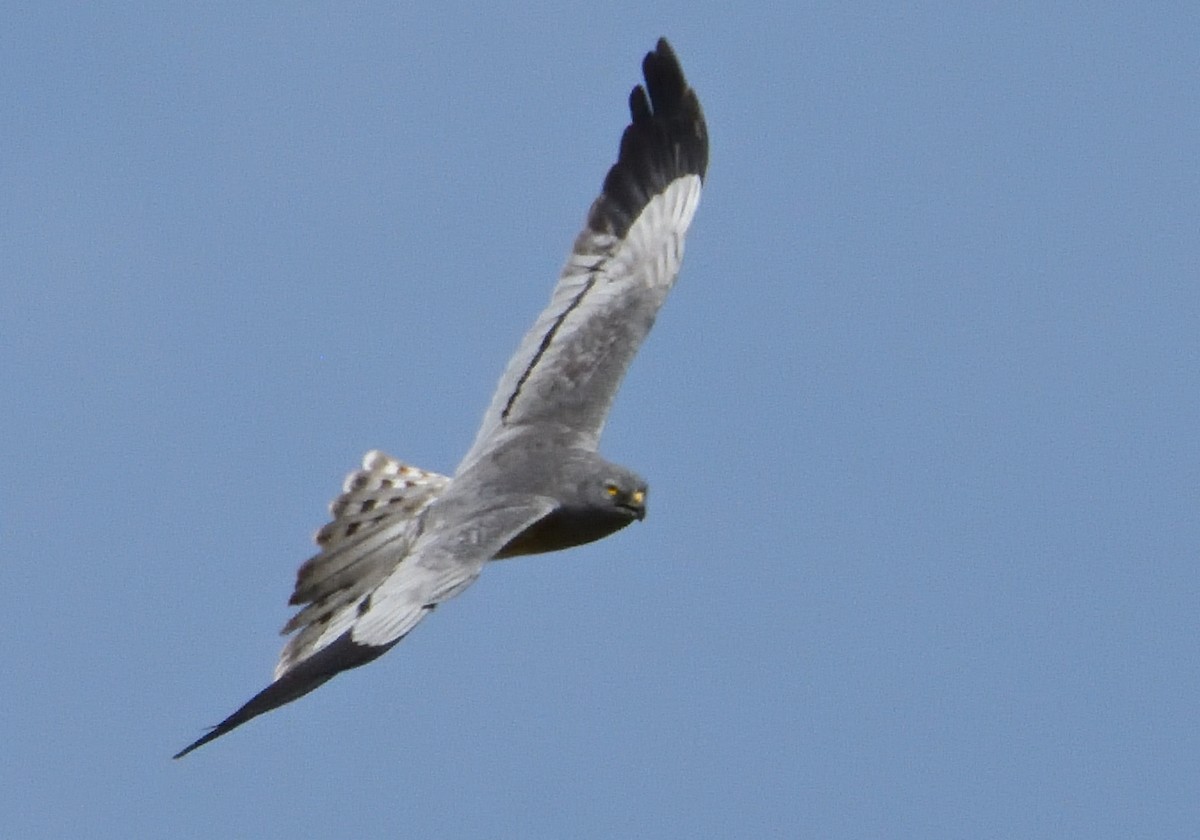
{"x":639,"y":496}
{"x":612,"y":490}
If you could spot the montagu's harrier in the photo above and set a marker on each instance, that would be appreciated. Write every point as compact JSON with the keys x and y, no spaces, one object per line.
{"x":402,"y":539}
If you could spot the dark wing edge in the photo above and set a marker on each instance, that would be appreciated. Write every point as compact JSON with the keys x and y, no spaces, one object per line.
{"x":310,"y":674}
{"x":618,"y":274}
{"x":368,"y":535}
{"x":667,"y":138}
{"x":434,"y":571}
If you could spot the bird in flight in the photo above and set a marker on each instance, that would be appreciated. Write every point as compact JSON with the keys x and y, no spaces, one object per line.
{"x":402,"y":540}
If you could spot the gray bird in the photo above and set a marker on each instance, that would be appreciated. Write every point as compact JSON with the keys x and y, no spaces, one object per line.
{"x":402,"y":539}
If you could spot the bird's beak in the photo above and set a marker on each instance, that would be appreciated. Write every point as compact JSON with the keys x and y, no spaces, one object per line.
{"x":637,"y":503}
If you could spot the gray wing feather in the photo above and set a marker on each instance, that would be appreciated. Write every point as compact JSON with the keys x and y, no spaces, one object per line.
{"x":568,"y":367}
{"x":424,"y":563}
{"x":438,"y":567}
{"x":444,"y":561}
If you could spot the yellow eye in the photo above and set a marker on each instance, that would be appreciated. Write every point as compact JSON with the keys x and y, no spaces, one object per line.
{"x":612,"y":490}
{"x":639,"y":496}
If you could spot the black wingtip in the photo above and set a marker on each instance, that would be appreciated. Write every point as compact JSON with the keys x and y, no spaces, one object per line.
{"x":666,"y":139}
{"x":199,"y":742}
{"x":273,"y":696}
{"x":340,"y":655}
{"x":675,"y":101}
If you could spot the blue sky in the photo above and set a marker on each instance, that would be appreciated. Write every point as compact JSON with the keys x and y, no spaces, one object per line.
{"x":920,"y":420}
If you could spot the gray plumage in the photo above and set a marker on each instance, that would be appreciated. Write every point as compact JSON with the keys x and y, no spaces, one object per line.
{"x":402,"y":540}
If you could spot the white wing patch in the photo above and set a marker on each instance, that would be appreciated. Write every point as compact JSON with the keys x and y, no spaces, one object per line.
{"x":620,"y":282}
{"x":374,"y":524}
{"x":653,"y":248}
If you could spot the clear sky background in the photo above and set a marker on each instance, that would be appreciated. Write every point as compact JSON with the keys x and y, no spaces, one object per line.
{"x":920,"y":420}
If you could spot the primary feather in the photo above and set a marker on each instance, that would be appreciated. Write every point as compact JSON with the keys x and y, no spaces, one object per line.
{"x":569,"y":365}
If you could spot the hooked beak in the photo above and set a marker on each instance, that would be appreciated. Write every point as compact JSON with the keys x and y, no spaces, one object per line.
{"x":637,"y":504}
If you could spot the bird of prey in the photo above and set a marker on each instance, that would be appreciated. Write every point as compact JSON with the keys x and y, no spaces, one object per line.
{"x":403,"y":540}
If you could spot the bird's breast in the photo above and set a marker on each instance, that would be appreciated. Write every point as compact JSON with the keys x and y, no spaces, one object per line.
{"x":565,"y":529}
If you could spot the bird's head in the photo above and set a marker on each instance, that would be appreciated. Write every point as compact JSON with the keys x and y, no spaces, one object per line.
{"x":626,"y":493}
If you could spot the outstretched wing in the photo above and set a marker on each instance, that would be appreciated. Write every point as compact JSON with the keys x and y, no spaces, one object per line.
{"x":427,"y":567}
{"x":568,"y":367}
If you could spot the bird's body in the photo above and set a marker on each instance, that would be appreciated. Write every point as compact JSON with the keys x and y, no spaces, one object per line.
{"x":402,"y":539}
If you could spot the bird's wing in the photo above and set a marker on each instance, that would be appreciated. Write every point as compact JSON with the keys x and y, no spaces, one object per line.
{"x":568,"y":367}
{"x":428,"y":565}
